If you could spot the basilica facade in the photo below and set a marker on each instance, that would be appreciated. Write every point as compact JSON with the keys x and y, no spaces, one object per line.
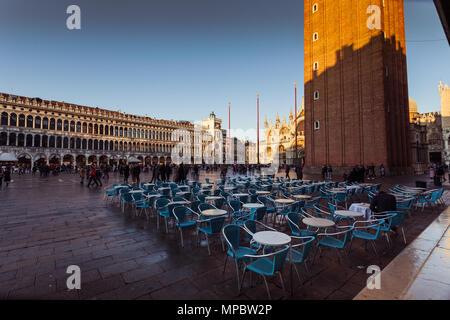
{"x":279,"y":139}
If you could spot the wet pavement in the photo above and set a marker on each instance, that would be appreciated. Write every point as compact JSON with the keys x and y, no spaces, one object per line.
{"x":47,"y":224}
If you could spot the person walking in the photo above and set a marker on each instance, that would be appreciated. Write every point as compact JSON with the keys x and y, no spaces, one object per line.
{"x":98,"y":177}
{"x":299,"y":172}
{"x":382,"y":171}
{"x":154,"y":174}
{"x":288,"y":168}
{"x":92,"y":177}
{"x":82,"y":174}
{"x":1,"y":176}
{"x":329,"y":172}
{"x":136,"y":173}
{"x":126,"y":173}
{"x":7,"y":175}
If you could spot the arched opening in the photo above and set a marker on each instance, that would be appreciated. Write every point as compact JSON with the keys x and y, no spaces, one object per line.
{"x":24,"y":160}
{"x":3,"y":138}
{"x":80,"y":160}
{"x":92,"y":160}
{"x":68,"y":159}
{"x":103,"y":160}
{"x":55,"y":159}
{"x":40,"y":161}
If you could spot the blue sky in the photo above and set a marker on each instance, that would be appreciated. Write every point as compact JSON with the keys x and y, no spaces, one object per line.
{"x":180,"y":59}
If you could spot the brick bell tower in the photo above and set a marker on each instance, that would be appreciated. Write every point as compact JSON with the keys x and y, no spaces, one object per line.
{"x":356,"y":89}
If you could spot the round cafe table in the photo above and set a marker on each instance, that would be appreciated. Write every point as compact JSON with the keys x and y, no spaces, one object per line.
{"x":348,"y":213}
{"x":318,"y":222}
{"x":252,"y":205}
{"x":214,"y":212}
{"x":284,"y":201}
{"x":136,"y":191}
{"x":271,"y":238}
{"x":301,"y":196}
{"x":211,"y":198}
{"x":181,"y":203}
{"x":262,"y":192}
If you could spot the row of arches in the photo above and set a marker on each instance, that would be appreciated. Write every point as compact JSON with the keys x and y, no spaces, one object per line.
{"x":46,"y":123}
{"x":46,"y":141}
{"x":82,"y":160}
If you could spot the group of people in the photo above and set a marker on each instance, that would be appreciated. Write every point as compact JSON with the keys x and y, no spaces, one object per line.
{"x":360,"y":173}
{"x":94,"y":174}
{"x":327,"y":172}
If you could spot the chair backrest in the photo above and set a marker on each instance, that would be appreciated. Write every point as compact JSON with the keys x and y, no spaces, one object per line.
{"x":293,"y":220}
{"x":219,"y":202}
{"x":235,"y":205}
{"x":260,"y":213}
{"x":201,"y":197}
{"x":279,"y":257}
{"x":232,"y":234}
{"x":178,"y":199}
{"x":216,"y":224}
{"x":194,"y":205}
{"x":397,"y":220}
{"x":179,"y":212}
{"x":205,"y":206}
{"x":305,"y":246}
{"x":161,"y":202}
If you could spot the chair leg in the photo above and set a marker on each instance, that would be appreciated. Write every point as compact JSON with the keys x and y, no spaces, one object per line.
{"x":181,"y":235}
{"x":403,"y":233}
{"x":374,"y":247}
{"x":282,"y":283}
{"x":167,"y":225}
{"x":267,"y":287}
{"x":242,"y":281}
{"x":207,"y":242}
{"x":225,"y":264}
{"x":237,"y":275}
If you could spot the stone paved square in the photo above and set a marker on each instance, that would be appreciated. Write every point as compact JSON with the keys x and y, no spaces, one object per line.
{"x":47,"y":224}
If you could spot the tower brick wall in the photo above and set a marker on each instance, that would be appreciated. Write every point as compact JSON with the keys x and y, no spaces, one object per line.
{"x":362,"y":108}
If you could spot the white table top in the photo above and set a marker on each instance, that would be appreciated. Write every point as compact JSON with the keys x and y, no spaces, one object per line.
{"x":348,"y":213}
{"x":240,"y":194}
{"x":252,"y":205}
{"x":271,"y":238}
{"x":213,"y":198}
{"x":163,"y":188}
{"x":214,"y":212}
{"x":262,"y":192}
{"x":284,"y":201}
{"x":179,"y":202}
{"x":149,"y":184}
{"x":136,"y":191}
{"x":301,"y":196}
{"x":182,"y":192}
{"x":318,"y":222}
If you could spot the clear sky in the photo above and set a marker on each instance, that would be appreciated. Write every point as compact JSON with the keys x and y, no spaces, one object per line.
{"x":181,"y":59}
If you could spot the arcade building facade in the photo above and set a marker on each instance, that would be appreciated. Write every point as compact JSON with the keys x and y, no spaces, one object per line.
{"x":37,"y":131}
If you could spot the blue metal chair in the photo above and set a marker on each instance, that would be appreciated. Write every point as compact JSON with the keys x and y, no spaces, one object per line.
{"x":267,"y":265}
{"x":125,"y":198}
{"x":300,"y":252}
{"x":162,"y":211}
{"x":212,"y":226}
{"x":142,"y":203}
{"x":186,"y":219}
{"x":232,"y":235}
{"x":367,"y":230}
{"x":205,"y":206}
{"x":293,"y":220}
{"x":335,"y":240}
